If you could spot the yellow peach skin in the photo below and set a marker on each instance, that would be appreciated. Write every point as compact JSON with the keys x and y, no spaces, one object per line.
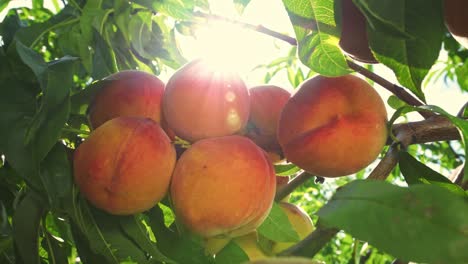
{"x":127,"y":93}
{"x":299,"y":220}
{"x":333,"y":126}
{"x":266,"y":104}
{"x":200,"y":102}
{"x":249,"y":243}
{"x":125,"y":165}
{"x":223,"y":186}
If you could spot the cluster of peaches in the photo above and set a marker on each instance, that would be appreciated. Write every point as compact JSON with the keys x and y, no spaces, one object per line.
{"x":224,"y":183}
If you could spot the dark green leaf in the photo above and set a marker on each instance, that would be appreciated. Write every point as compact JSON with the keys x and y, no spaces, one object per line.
{"x":104,"y":234}
{"x":146,"y":36}
{"x":316,"y":34}
{"x":57,"y":251}
{"x":182,"y":249}
{"x":231,"y":254}
{"x":277,"y":227}
{"x":410,"y":58}
{"x":103,"y":62}
{"x":405,"y":222}
{"x":56,"y":174}
{"x":26,"y":223}
{"x":87,"y":255}
{"x":56,"y":79}
{"x":135,"y":229}
{"x":416,"y":172}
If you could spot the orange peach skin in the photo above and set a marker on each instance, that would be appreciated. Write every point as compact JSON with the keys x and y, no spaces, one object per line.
{"x":266,"y":104}
{"x":127,"y":93}
{"x":300,"y":222}
{"x":200,"y":102}
{"x":223,"y":186}
{"x":333,"y":126}
{"x":125,"y":165}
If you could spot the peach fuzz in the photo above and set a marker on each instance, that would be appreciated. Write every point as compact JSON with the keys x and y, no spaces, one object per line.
{"x":127,"y":93}
{"x":223,"y":186}
{"x":266,"y":104}
{"x":125,"y":166}
{"x":200,"y":102}
{"x":300,"y":222}
{"x":333,"y":126}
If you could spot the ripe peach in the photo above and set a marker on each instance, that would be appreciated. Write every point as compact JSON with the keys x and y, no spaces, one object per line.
{"x":456,"y":19}
{"x":299,"y":220}
{"x":333,"y":126}
{"x":127,"y":93}
{"x":125,"y":165}
{"x":353,"y":38}
{"x":266,"y":103}
{"x":223,"y":186}
{"x":200,"y":102}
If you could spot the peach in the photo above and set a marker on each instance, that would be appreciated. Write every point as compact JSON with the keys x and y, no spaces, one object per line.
{"x":456,"y":19}
{"x":223,"y":186}
{"x":353,"y":40}
{"x":299,"y":220}
{"x":127,"y":93}
{"x":333,"y":126}
{"x":200,"y":102}
{"x":125,"y":165}
{"x":266,"y":104}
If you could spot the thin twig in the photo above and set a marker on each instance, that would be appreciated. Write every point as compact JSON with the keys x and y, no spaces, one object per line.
{"x":285,"y":190}
{"x":258,"y":28}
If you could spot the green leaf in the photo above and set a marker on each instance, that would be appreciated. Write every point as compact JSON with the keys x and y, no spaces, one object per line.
{"x":134,"y":228}
{"x":316,"y":34}
{"x":26,"y":223}
{"x":395,"y":102}
{"x":87,"y":255}
{"x":286,"y":169}
{"x":277,"y":227}
{"x":405,"y":222}
{"x":410,"y":58}
{"x":462,"y":75}
{"x":177,"y":9}
{"x":231,"y":254}
{"x":416,"y":172}
{"x":240,"y":5}
{"x":33,"y":33}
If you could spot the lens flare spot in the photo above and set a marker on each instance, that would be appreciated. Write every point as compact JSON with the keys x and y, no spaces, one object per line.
{"x":233,"y":120}
{"x":230,"y":96}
